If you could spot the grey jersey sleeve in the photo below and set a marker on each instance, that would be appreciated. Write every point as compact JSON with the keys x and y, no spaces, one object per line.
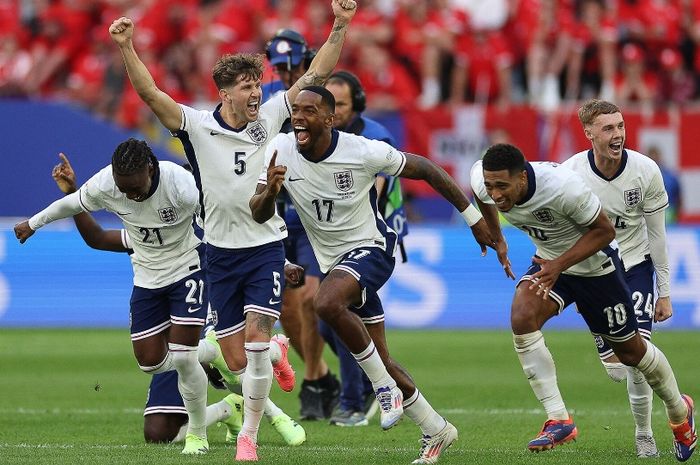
{"x":656,"y":230}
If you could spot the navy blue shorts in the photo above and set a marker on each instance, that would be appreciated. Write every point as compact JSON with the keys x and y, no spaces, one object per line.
{"x":244,"y":280}
{"x":371,"y":267}
{"x":604,"y":301}
{"x":181,"y":303}
{"x":640,"y":280}
{"x":297,"y":249}
{"x":163,"y":395}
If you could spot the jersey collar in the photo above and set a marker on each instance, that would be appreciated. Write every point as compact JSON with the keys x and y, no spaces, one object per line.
{"x":155,"y":181}
{"x":329,"y":151}
{"x":531,"y":184}
{"x":623,"y":163}
{"x":219,"y":119}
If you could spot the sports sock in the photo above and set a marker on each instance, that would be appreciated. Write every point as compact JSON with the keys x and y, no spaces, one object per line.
{"x":660,"y":377}
{"x":215,"y":412}
{"x":539,"y":368}
{"x":641,"y":396}
{"x":275,"y":352}
{"x":256,"y":382}
{"x":165,"y":365}
{"x":370,"y":361}
{"x":272,"y":410}
{"x":192,"y":384}
{"x":423,"y":414}
{"x":206,"y":351}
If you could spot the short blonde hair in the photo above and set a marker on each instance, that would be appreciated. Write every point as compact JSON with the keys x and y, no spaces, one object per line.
{"x":590,"y":110}
{"x":229,"y":68}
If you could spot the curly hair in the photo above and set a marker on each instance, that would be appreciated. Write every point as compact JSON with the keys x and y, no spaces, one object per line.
{"x":229,"y":68}
{"x":131,"y":156}
{"x":500,"y":157}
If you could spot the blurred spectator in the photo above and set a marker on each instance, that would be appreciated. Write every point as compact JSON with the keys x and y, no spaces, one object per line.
{"x":593,"y":59}
{"x":671,"y":183}
{"x":677,"y":85}
{"x":370,"y":24}
{"x":634,"y":84}
{"x":483,"y":68}
{"x":387,"y":84}
{"x":425,"y":30}
{"x":15,"y":65}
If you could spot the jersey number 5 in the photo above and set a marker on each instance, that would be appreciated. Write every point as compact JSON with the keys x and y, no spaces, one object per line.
{"x":239,"y":162}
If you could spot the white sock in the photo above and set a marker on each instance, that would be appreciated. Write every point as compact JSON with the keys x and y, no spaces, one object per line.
{"x":206,"y":351}
{"x":215,"y":412}
{"x":165,"y":365}
{"x":256,"y":382}
{"x":616,"y":371}
{"x":275,"y":352}
{"x":659,"y":375}
{"x":192,"y":384}
{"x":423,"y":414}
{"x":370,"y":361}
{"x":271,"y":410}
{"x":539,"y":368}
{"x":641,"y":397}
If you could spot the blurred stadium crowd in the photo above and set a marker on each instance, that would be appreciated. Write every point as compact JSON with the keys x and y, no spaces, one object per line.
{"x":407,"y":53}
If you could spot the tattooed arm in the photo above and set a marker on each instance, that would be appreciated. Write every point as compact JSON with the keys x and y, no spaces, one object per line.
{"x":327,"y":57}
{"x":418,"y":167}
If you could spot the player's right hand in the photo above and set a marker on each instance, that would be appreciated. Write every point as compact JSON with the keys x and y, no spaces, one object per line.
{"x":64,"y":175}
{"x":502,"y":253}
{"x":344,"y":10}
{"x":23,"y":231}
{"x":121,"y":30}
{"x":483,"y":236}
{"x":275,"y":175}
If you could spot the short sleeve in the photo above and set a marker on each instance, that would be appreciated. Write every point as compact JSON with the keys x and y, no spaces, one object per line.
{"x":655,"y":197}
{"x":190,"y":118}
{"x":579,"y":202}
{"x":382,"y":157}
{"x":476,"y":179}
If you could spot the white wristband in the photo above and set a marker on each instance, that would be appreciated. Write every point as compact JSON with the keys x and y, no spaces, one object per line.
{"x":471,"y":215}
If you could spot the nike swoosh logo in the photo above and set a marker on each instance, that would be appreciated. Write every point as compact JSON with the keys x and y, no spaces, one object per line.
{"x":617,"y":331}
{"x":214,"y":133}
{"x":192,"y":310}
{"x":123,"y":214}
{"x":274,"y":302}
{"x":295,"y":179}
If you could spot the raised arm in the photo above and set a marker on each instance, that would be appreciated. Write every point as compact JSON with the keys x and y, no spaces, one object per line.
{"x":164,"y":107}
{"x":262,"y":204}
{"x":418,"y":167}
{"x":91,"y":232}
{"x":327,"y":57}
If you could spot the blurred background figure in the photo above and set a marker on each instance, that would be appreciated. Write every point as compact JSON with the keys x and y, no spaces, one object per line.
{"x":671,"y":183}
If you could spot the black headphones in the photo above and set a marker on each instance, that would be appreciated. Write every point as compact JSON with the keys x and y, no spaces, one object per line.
{"x":357,"y":92}
{"x":291,"y":36}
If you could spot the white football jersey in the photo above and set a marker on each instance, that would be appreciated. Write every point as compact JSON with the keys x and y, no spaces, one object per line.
{"x":335,"y":197}
{"x":226,"y":163}
{"x":556,"y":211}
{"x":637,"y":189}
{"x":159,"y":228}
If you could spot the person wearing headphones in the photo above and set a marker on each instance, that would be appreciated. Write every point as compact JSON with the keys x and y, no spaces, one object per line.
{"x":357,"y":400}
{"x":291,"y":56}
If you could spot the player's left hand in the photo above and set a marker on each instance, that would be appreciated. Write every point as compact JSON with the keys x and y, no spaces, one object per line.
{"x":275,"y":176}
{"x":23,"y":231}
{"x":664,"y":309}
{"x":344,"y":10}
{"x":483,"y":236}
{"x":293,"y":275}
{"x":544,"y":279}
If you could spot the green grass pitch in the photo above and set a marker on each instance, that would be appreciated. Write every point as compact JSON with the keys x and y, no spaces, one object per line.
{"x":76,"y":397}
